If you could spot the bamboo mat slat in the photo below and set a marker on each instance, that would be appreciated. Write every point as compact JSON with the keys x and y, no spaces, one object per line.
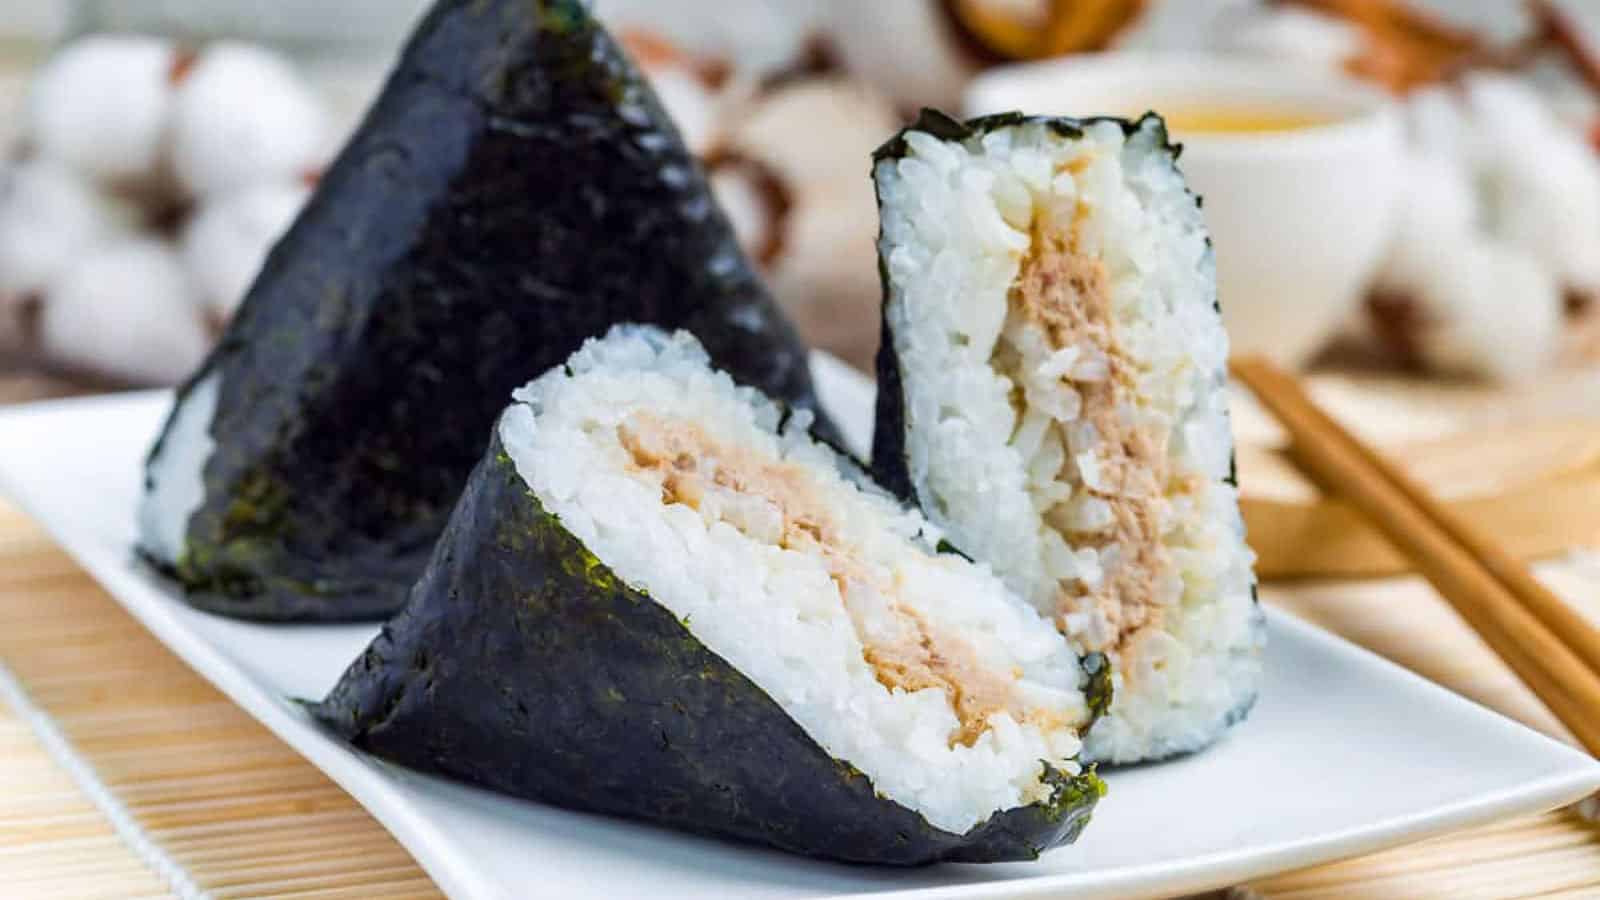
{"x":245,"y":816}
{"x":227,"y":801}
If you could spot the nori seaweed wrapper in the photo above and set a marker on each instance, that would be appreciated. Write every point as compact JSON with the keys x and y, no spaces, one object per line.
{"x":523,"y":664}
{"x":515,"y":189}
{"x":889,"y":465}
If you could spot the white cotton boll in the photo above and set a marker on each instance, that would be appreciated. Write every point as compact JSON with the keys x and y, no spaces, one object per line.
{"x":227,"y":240}
{"x":824,"y":272}
{"x":1296,"y":35}
{"x":1496,"y":313}
{"x":748,"y":206}
{"x":690,"y":103}
{"x":1544,"y":200}
{"x":1177,"y":26}
{"x":50,"y":215}
{"x":814,"y":133}
{"x":102,"y":105}
{"x":1507,"y":110}
{"x":243,"y":115}
{"x":1436,"y":215}
{"x":905,"y":48}
{"x":1437,"y":122}
{"x":124,"y":311}
{"x":1523,"y":178}
{"x":1548,"y":204}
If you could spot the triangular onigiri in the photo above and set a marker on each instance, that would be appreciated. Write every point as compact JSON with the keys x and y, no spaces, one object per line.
{"x":515,"y":189}
{"x":657,"y":598}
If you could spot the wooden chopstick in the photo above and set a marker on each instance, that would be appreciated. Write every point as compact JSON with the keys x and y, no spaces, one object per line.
{"x":1580,"y":635}
{"x":1550,"y":647}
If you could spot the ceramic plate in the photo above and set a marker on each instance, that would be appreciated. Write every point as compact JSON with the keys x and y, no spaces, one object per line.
{"x":1346,"y":753}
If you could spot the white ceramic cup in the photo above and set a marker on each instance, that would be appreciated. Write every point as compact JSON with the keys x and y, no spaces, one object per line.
{"x":1299,"y":218}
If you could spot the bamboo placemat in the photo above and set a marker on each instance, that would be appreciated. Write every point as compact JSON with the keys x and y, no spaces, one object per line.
{"x":165,"y":779}
{"x":203,"y":786}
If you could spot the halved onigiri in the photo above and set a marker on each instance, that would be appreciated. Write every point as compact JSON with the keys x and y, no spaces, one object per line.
{"x":1051,"y":394}
{"x":659,"y":598}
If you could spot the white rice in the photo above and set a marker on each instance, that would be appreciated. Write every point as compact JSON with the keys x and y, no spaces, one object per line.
{"x":778,"y":615}
{"x":1023,"y":486}
{"x":175,"y":478}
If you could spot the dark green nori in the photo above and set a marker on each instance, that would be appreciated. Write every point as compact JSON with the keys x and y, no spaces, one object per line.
{"x":515,"y":189}
{"x":523,"y":664}
{"x":1097,"y":687}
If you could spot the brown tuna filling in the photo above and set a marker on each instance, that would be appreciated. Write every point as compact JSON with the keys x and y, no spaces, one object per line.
{"x":691,"y":465}
{"x":1064,"y":293}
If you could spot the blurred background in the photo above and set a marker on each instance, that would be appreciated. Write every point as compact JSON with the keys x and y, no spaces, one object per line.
{"x":1394,"y":186}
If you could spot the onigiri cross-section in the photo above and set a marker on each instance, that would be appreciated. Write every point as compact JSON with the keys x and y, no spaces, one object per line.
{"x":660,"y":598}
{"x":515,"y":189}
{"x":1052,"y":394}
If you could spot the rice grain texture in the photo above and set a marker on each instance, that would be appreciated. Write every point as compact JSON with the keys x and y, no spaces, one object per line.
{"x":1052,"y":377}
{"x":661,"y":598}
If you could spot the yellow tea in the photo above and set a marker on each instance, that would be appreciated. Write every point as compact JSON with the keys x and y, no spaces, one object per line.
{"x":1237,"y":120}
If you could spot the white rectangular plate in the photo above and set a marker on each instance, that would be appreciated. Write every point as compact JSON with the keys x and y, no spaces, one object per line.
{"x":1344,"y":754}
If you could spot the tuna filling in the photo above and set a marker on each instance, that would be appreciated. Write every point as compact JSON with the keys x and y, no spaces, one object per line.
{"x":778,"y":503}
{"x":1097,"y":467}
